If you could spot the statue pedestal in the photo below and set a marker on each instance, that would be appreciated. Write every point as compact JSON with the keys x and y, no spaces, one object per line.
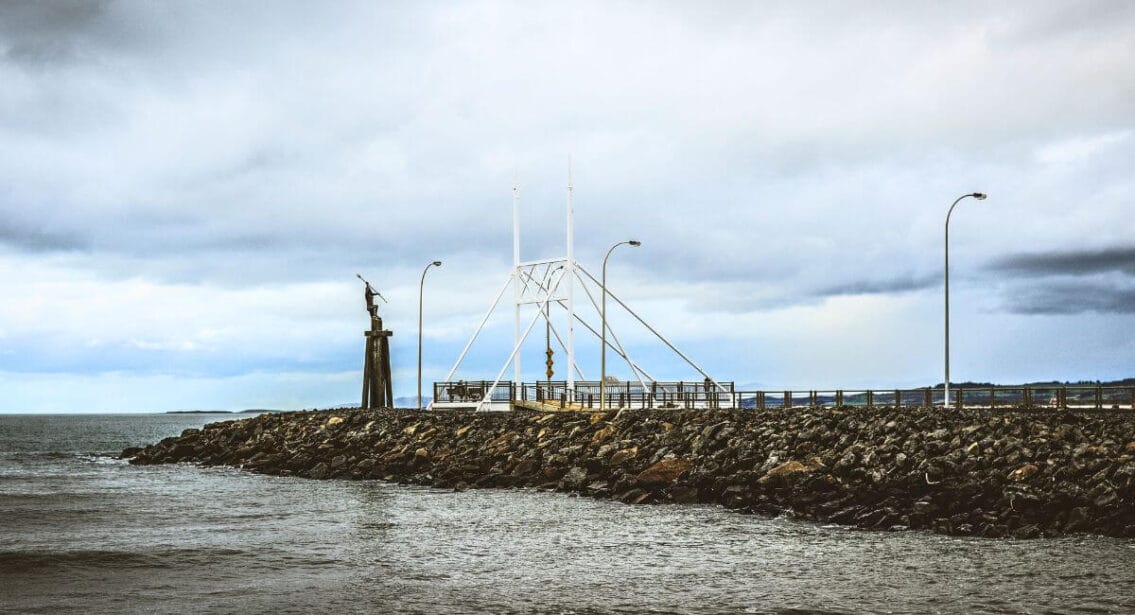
{"x":377,"y":389}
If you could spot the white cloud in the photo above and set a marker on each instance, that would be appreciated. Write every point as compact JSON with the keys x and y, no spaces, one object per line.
{"x":1080,"y":149}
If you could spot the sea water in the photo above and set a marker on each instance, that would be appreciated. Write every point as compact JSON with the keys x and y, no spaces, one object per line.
{"x":83,"y":532}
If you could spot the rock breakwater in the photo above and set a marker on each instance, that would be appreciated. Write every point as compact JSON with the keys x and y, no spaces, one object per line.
{"x":962,"y":472}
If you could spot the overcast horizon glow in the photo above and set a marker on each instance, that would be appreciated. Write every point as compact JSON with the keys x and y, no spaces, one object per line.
{"x":187,"y":191}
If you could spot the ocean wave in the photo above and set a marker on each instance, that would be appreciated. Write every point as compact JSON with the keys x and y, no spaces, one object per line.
{"x":23,"y":562}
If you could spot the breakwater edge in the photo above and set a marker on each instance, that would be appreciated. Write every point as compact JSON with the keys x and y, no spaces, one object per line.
{"x":1021,"y":474}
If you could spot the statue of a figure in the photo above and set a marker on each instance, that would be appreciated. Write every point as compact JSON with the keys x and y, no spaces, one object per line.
{"x":370,"y":294}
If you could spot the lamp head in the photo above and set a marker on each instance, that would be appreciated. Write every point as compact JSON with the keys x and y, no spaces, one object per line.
{"x":438,"y":263}
{"x":979,"y":196}
{"x":634,"y":242}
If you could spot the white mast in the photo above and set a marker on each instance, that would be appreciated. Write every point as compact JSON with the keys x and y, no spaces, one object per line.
{"x":569,"y":273}
{"x":516,"y":276}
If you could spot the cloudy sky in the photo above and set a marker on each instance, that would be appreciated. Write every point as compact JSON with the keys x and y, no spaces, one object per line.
{"x":188,"y":189}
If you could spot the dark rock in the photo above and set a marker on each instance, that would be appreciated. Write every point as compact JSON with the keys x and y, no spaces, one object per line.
{"x":319,"y":471}
{"x":682,"y":494}
{"x":575,"y":478}
{"x":662,"y":473}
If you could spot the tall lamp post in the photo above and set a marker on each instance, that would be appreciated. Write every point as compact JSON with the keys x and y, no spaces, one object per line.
{"x":603,"y":327}
{"x":421,"y":286}
{"x":981,"y":197}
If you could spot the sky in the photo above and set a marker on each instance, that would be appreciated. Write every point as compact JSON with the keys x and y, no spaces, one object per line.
{"x":187,"y":191}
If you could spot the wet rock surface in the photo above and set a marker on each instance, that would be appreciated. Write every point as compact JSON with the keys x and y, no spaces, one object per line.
{"x":969,"y":472}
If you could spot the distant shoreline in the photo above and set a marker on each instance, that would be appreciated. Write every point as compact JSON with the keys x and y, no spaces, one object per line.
{"x":249,"y":411}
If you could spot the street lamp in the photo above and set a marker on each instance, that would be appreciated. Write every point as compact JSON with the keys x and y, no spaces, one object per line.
{"x":421,"y":286}
{"x":603,"y":327}
{"x":981,"y":197}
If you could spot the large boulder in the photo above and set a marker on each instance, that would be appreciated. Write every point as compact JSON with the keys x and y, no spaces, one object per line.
{"x":791,"y":469}
{"x":663,"y":473}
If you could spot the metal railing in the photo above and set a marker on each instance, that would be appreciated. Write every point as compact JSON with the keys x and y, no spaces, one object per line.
{"x":585,"y":394}
{"x":1077,"y":397}
{"x":689,"y":395}
{"x":472,"y":392}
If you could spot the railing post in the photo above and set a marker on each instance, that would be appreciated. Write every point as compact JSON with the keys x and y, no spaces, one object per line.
{"x":1099,"y":397}
{"x":839,"y":398}
{"x":787,"y":402}
{"x":761,"y":399}
{"x":870,"y":399}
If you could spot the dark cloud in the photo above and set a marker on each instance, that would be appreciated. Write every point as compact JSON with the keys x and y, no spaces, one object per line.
{"x":36,"y":34}
{"x":898,"y":284}
{"x":37,"y":240}
{"x":40,"y":53}
{"x":1070,"y":282}
{"x":1072,"y":298}
{"x":54,"y":18}
{"x":1075,"y":263}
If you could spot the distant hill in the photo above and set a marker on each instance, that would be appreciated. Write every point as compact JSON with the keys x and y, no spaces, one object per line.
{"x":248,"y":411}
{"x":411,"y":402}
{"x":1126,"y":382}
{"x":399,"y":402}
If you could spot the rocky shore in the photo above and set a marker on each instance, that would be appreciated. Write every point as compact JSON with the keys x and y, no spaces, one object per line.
{"x":1021,"y":474}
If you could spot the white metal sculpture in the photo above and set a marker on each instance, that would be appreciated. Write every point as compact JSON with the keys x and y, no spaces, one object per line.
{"x":552,"y":282}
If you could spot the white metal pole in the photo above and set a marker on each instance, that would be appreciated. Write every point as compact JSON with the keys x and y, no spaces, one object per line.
{"x":946,"y":385}
{"x":603,"y":328}
{"x":569,"y":271}
{"x":516,"y":277}
{"x":421,"y":287}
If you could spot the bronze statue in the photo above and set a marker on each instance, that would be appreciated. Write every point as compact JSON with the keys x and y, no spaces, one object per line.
{"x":370,"y":294}
{"x":377,"y":389}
